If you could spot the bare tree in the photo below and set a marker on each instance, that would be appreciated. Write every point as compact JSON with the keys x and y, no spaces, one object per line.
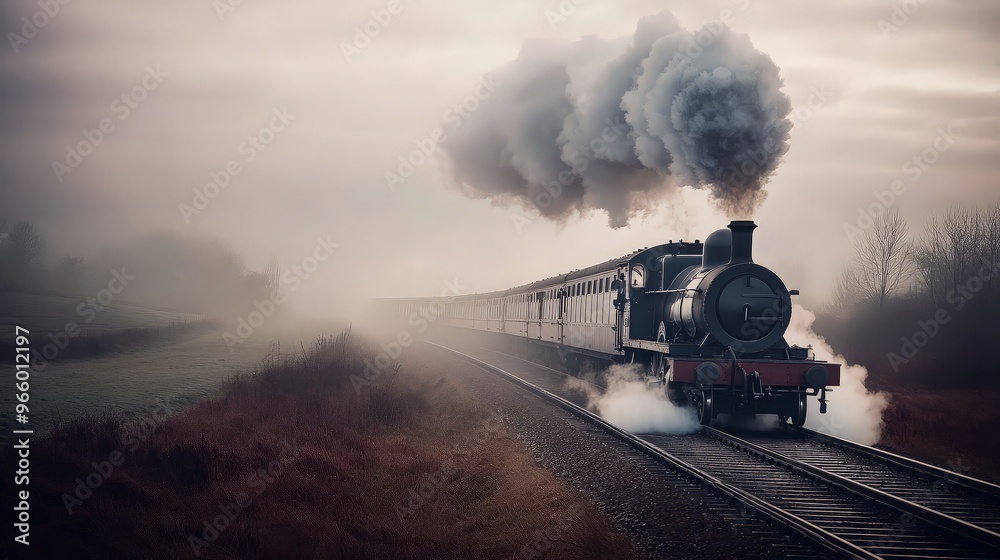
{"x":272,"y":270}
{"x":23,"y":247}
{"x":990,"y":243}
{"x":70,"y":272}
{"x":845,"y":291}
{"x":882,"y":261}
{"x":951,"y":250}
{"x":930,"y":260}
{"x":962,"y":237}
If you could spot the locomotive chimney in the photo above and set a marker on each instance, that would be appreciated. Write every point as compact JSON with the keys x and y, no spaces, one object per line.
{"x":742,"y":240}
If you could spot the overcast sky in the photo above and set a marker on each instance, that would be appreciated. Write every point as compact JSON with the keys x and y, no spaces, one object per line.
{"x":213,"y":76}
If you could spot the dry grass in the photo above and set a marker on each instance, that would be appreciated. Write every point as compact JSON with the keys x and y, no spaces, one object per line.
{"x":338,"y":497}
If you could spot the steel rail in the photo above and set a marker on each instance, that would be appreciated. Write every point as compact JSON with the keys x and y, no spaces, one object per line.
{"x":905,"y":462}
{"x":931,"y":516}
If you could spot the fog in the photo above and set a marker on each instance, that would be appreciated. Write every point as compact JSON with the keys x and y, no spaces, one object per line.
{"x":272,"y":126}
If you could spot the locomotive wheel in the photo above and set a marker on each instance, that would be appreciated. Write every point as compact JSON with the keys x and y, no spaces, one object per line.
{"x":658,"y":362}
{"x":798,"y":415}
{"x":677,"y":396}
{"x":656,"y":366}
{"x":705,"y":405}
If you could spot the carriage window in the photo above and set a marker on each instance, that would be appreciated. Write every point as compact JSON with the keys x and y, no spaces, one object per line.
{"x":638,"y":276}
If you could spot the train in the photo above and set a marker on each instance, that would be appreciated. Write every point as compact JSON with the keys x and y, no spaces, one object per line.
{"x":702,"y":320}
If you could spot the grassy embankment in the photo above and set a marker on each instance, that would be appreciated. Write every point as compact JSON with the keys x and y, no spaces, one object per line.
{"x":293,"y":462}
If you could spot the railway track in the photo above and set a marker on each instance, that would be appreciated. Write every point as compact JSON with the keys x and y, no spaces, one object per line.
{"x":842,"y":498}
{"x":971,"y":505}
{"x":883,"y":525}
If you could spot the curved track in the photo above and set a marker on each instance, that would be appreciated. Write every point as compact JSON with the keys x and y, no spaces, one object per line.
{"x":845,"y":499}
{"x":884,"y":525}
{"x":970,"y":505}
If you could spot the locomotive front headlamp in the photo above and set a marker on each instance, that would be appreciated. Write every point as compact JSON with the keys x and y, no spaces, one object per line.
{"x":817,"y":377}
{"x":707,"y":374}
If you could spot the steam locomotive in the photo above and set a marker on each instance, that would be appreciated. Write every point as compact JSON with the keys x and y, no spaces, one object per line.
{"x":703,"y":320}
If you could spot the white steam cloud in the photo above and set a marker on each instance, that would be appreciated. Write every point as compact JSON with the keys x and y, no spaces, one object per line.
{"x":854,"y":413}
{"x":613,"y":125}
{"x":629,"y":404}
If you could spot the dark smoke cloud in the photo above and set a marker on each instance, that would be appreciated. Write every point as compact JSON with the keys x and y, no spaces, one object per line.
{"x":612,"y":125}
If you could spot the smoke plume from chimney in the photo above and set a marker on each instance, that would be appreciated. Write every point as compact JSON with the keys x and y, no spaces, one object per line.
{"x":613,"y":125}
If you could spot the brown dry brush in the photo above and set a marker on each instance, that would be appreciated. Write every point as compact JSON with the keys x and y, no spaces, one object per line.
{"x":293,"y":462}
{"x":945,"y":428}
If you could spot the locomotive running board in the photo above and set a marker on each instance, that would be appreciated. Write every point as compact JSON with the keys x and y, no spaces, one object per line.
{"x":663,"y":347}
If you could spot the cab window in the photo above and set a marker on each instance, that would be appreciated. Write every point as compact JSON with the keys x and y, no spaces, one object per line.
{"x":638,"y":276}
